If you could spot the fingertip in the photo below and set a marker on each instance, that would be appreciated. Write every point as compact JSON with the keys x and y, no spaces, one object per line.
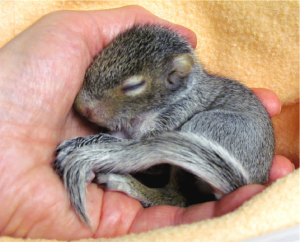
{"x":281,"y":167}
{"x":269,"y":99}
{"x":232,"y":201}
{"x":118,"y":214}
{"x":144,"y":16}
{"x":188,"y":34}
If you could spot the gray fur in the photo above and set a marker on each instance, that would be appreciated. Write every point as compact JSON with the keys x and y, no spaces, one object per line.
{"x":213,"y":131}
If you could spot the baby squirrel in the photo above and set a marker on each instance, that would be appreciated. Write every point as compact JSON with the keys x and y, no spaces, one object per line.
{"x":161,"y":107}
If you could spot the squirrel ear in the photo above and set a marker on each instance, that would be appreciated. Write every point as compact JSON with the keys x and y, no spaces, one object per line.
{"x":181,"y":67}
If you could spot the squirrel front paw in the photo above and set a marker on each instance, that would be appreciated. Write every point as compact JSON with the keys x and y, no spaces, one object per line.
{"x":69,"y":146}
{"x":64,"y":150}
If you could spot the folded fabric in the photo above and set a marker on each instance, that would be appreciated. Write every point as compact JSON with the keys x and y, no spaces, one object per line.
{"x":254,"y":42}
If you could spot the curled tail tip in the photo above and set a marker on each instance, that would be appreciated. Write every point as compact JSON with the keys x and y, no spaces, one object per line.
{"x":81,"y":211}
{"x":77,"y":195}
{"x":84,"y":218}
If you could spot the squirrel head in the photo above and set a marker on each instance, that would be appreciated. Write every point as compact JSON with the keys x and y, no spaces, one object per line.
{"x":138,"y":72}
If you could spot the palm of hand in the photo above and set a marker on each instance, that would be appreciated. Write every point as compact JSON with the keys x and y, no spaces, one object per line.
{"x":40,"y":79}
{"x":36,"y":117}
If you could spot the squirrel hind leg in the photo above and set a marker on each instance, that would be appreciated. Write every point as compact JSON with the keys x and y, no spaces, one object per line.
{"x":146,"y":196}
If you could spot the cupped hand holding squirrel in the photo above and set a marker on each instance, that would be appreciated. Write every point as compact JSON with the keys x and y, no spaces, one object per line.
{"x":42,"y":70}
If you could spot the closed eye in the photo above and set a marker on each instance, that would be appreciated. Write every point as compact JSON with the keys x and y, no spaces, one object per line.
{"x":133,"y":87}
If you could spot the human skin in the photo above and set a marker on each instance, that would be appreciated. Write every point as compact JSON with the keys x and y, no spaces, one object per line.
{"x":42,"y":70}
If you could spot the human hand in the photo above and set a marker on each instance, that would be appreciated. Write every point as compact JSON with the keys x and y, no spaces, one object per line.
{"x":42,"y":70}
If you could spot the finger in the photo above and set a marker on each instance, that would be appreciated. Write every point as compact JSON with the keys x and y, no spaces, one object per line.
{"x":188,"y":34}
{"x":281,"y":167}
{"x":153,"y":19}
{"x":118,"y":213}
{"x":128,"y":16}
{"x":156,"y":217}
{"x":227,"y":204}
{"x":269,"y":99}
{"x":162,"y":216}
{"x":233,"y":200}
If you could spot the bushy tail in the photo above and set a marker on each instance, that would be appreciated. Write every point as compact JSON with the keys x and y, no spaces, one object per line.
{"x":196,"y":154}
{"x":202,"y":157}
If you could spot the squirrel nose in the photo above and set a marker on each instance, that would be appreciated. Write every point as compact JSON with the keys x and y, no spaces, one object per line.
{"x":96,"y":112}
{"x":87,"y":112}
{"x":84,"y":110}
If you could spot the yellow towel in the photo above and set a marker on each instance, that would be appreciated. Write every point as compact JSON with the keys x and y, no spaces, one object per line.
{"x":255,"y":42}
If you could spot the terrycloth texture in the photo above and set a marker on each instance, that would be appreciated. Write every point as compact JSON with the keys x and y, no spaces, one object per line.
{"x":255,"y":42}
